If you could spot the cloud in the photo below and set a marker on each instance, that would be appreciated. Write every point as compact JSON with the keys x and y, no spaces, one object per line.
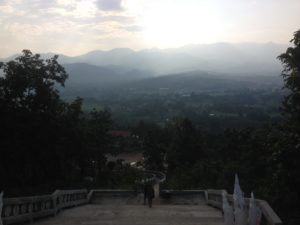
{"x":59,"y":25}
{"x":109,"y":5}
{"x":38,"y":4}
{"x":132,"y":28}
{"x":5,"y":2}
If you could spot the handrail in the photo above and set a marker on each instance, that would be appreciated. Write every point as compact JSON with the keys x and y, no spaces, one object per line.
{"x":157,"y":176}
{"x":94,"y":193}
{"x":23,"y":209}
{"x":214,"y":198}
{"x":70,"y":198}
{"x":17,"y":210}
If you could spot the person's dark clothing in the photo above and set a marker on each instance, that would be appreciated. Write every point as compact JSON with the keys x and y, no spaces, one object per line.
{"x":148,"y":194}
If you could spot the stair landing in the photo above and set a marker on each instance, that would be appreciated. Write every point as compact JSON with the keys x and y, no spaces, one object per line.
{"x":123,"y":214}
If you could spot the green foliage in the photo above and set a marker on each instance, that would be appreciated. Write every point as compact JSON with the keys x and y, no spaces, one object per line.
{"x":286,"y":154}
{"x":213,"y":111}
{"x":185,"y":146}
{"x":291,"y":76}
{"x":45,"y":142}
{"x":29,"y":83}
{"x":119,"y":176}
{"x":154,"y":144}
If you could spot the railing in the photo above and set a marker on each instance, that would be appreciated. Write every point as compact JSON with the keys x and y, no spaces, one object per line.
{"x":96,"y":196}
{"x":70,"y":198}
{"x":17,"y":210}
{"x":157,"y":177}
{"x":24,"y":209}
{"x":214,"y":198}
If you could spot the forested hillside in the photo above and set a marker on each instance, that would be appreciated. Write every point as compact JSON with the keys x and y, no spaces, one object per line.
{"x":200,"y":128}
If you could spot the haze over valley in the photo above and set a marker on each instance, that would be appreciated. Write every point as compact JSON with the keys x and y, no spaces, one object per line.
{"x":207,"y":83}
{"x":235,"y":63}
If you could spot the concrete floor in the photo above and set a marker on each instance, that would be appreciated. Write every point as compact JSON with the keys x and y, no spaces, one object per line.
{"x":122,"y":214}
{"x":131,"y":211}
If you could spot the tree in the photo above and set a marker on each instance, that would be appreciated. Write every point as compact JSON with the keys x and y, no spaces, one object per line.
{"x":186,"y":144}
{"x":154,"y":143}
{"x":30,"y":116}
{"x":33,"y":119}
{"x":29,"y":83}
{"x":291,"y":77}
{"x":286,"y":154}
{"x":97,"y":140}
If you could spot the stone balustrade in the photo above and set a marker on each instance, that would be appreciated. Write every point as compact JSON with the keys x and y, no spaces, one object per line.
{"x":69,"y":198}
{"x":155,"y":176}
{"x":17,"y":210}
{"x":27,"y":209}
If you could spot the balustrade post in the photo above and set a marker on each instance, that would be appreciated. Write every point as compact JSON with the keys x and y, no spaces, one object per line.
{"x":254,"y":212}
{"x":227,"y":210}
{"x":1,"y":205}
{"x":54,"y":202}
{"x":30,"y":210}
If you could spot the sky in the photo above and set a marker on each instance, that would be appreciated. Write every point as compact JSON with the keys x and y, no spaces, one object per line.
{"x":74,"y":27}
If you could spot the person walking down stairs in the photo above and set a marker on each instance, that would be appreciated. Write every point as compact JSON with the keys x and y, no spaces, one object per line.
{"x":148,"y":194}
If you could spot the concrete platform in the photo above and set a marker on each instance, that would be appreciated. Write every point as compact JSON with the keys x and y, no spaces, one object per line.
{"x":112,"y":214}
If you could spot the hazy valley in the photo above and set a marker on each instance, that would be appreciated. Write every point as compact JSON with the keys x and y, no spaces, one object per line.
{"x":217,"y":86}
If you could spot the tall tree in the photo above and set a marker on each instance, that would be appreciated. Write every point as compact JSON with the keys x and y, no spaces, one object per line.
{"x":291,"y":75}
{"x":154,"y":143}
{"x":186,"y":144}
{"x":32,"y":118}
{"x":287,"y":150}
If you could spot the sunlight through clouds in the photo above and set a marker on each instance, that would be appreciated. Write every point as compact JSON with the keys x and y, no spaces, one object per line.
{"x":136,"y":24}
{"x":85,"y":9}
{"x":180,"y":25}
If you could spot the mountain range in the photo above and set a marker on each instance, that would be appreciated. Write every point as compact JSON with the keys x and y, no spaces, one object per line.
{"x":195,"y":65}
{"x":218,"y":57}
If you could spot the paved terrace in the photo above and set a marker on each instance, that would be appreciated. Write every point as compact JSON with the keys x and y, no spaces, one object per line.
{"x":131,"y":211}
{"x":123,"y":207}
{"x":136,"y":214}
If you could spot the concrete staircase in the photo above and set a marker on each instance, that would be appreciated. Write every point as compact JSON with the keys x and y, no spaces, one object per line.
{"x":129,"y":210}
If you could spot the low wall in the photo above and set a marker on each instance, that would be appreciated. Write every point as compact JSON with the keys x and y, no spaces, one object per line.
{"x":23,"y":209}
{"x":119,"y":196}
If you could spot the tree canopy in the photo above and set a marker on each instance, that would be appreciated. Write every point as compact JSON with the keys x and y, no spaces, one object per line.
{"x":291,"y":75}
{"x":45,"y":142}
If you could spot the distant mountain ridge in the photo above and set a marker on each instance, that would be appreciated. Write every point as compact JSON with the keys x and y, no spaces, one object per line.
{"x":105,"y":83}
{"x":193,"y":68}
{"x":202,"y":81}
{"x":87,"y":74}
{"x":247,"y":58}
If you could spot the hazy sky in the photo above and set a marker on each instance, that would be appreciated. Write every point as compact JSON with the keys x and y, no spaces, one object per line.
{"x":74,"y":27}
